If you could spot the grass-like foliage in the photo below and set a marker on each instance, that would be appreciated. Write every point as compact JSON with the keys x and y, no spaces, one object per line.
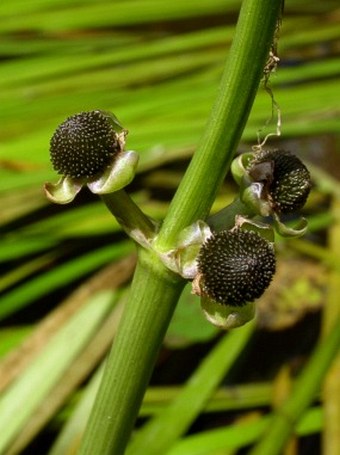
{"x":186,"y":79}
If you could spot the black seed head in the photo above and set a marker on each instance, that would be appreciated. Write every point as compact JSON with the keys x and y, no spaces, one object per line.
{"x":84,"y":145}
{"x":236,"y":266}
{"x":289,"y":184}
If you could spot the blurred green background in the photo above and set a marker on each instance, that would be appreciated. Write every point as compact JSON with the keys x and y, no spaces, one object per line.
{"x":156,"y":65}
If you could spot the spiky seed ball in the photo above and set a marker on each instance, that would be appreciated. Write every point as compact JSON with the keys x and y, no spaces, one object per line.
{"x":235,"y":266}
{"x":84,"y":145}
{"x":290,"y":184}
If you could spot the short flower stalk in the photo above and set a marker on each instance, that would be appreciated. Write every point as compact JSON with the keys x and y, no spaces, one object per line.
{"x":88,"y":149}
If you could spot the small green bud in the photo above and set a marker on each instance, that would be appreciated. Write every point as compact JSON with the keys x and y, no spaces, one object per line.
{"x":286,"y":179}
{"x":235,"y":267}
{"x":85,"y":144}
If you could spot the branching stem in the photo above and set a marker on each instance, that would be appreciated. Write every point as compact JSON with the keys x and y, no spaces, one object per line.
{"x":155,"y":290}
{"x":135,"y":223}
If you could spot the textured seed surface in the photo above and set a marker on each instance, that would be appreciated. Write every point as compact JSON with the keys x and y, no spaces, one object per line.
{"x":236,"y":266}
{"x":84,"y":145}
{"x":291,"y":182}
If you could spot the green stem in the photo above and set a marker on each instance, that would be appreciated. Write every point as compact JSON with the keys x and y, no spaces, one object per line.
{"x":225,"y":218}
{"x":154,"y":290}
{"x":162,"y":431}
{"x":135,"y":223}
{"x":240,"y":80}
{"x":282,"y":425}
{"x":135,"y":348}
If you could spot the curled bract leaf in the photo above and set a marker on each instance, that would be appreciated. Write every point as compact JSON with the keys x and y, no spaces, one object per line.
{"x":182,"y":259}
{"x":117,"y":176}
{"x":227,"y":317}
{"x":239,"y":167}
{"x":64,"y":191}
{"x":299,"y":228}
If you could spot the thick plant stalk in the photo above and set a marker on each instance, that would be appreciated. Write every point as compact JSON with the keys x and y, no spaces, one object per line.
{"x":155,"y":291}
{"x":130,"y":363}
{"x":131,"y":218}
{"x":240,"y":80}
{"x":161,"y":432}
